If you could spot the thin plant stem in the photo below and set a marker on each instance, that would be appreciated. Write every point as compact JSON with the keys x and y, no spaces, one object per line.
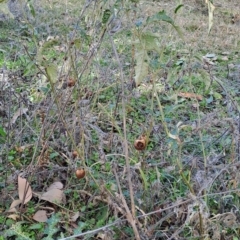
{"x":125,"y":140}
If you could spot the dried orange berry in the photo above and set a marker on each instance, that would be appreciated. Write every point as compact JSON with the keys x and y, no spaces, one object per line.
{"x":71,"y":82}
{"x":80,"y":173}
{"x":74,"y":154}
{"x":141,"y":143}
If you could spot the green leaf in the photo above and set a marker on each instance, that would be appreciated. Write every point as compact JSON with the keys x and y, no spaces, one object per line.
{"x":2,"y":132}
{"x":53,"y":155}
{"x":217,"y":96}
{"x":31,"y":8}
{"x":52,"y":74}
{"x":45,"y":48}
{"x":77,"y":43}
{"x":106,"y":16}
{"x":178,"y":7}
{"x":141,"y":68}
{"x":162,"y":16}
{"x":148,"y":42}
{"x":81,"y":226}
{"x":36,"y":226}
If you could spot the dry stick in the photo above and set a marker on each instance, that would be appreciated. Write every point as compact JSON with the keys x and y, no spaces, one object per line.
{"x":238,"y":144}
{"x":91,"y":54}
{"x":148,"y":214}
{"x":130,"y":217}
{"x":126,"y":144}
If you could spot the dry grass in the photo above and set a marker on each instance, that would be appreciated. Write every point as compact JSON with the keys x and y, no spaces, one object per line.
{"x":193,"y":20}
{"x":185,"y":184}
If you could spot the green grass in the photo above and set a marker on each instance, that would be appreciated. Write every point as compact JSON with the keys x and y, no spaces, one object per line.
{"x":192,"y":153}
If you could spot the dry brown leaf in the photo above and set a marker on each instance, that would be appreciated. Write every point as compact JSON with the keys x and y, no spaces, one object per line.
{"x":22,"y":148}
{"x":55,"y":185}
{"x":40,"y":216}
{"x":18,"y":113}
{"x":190,"y":95}
{"x":74,"y":217}
{"x":24,"y":190}
{"x":229,"y":219}
{"x":53,"y":196}
{"x":13,"y":216}
{"x":13,"y":205}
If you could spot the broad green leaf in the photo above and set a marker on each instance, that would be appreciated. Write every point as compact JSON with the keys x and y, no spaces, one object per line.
{"x":106,"y":16}
{"x":52,"y":74}
{"x":44,"y":48}
{"x":150,"y":41}
{"x":217,"y":95}
{"x":205,"y":78}
{"x":77,"y":43}
{"x":162,"y":16}
{"x":31,"y":8}
{"x":36,"y":226}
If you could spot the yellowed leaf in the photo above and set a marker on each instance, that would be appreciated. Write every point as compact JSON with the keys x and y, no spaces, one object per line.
{"x":53,"y":196}
{"x":190,"y":95}
{"x":211,"y":9}
{"x":74,"y":217}
{"x":176,"y":137}
{"x":24,"y":190}
{"x":13,"y":216}
{"x":40,"y":216}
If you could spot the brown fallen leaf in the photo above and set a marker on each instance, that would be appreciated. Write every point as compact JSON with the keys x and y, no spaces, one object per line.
{"x":13,"y":206}
{"x":54,"y":196}
{"x":190,"y":95}
{"x":24,"y":190}
{"x":55,"y":185}
{"x":74,"y":217}
{"x":40,"y":216}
